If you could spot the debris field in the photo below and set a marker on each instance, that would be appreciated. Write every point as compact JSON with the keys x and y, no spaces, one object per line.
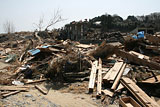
{"x":122,"y":70}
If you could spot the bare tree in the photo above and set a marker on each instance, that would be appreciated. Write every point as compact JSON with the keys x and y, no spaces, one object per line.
{"x":40,"y":25}
{"x":56,"y":18}
{"x":9,"y":27}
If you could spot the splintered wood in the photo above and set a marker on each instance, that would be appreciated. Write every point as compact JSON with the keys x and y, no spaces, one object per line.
{"x":112,"y":73}
{"x":139,"y":94}
{"x":92,"y":76}
{"x":99,"y":83}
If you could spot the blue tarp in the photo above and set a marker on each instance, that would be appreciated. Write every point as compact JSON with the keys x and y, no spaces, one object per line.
{"x":140,"y":34}
{"x":34,"y":51}
{"x":134,"y":36}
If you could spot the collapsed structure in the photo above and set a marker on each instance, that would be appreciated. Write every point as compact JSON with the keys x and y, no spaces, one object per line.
{"x":118,"y":71}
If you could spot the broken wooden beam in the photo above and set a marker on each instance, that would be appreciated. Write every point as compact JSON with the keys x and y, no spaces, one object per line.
{"x":116,"y":81}
{"x":92,"y":76}
{"x":35,"y":81}
{"x":13,"y":88}
{"x":99,"y":83}
{"x":10,"y":93}
{"x":42,"y":90}
{"x":139,"y":61}
{"x":138,"y":93}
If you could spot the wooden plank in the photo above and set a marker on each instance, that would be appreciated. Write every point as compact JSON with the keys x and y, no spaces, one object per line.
{"x":92,"y":76}
{"x":42,"y":90}
{"x":116,"y":81}
{"x":1,"y":93}
{"x":35,"y":81}
{"x":135,"y":59}
{"x":128,"y":102}
{"x":134,"y":94}
{"x":11,"y":93}
{"x":12,"y":88}
{"x":84,"y":46}
{"x":115,"y":71}
{"x":107,"y":74}
{"x":99,"y":83}
{"x":112,"y":73}
{"x":141,"y":96}
{"x":137,"y":96}
{"x":136,"y":90}
{"x":141,"y":56}
{"x":107,"y":92}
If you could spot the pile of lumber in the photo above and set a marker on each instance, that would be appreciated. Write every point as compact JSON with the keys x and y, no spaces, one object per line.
{"x":115,"y":77}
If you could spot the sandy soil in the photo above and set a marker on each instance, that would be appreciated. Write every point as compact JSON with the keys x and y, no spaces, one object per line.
{"x":54,"y":98}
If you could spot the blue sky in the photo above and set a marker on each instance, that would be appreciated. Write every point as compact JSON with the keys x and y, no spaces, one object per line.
{"x":23,"y":13}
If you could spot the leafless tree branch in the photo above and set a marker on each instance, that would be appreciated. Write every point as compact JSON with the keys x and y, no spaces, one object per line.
{"x":9,"y":27}
{"x":56,"y":18}
{"x":40,"y":25}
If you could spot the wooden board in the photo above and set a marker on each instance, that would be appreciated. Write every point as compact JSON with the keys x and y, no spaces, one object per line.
{"x":35,"y":81}
{"x":12,"y":88}
{"x":139,"y":94}
{"x":10,"y":93}
{"x":84,"y":46}
{"x":128,"y":102}
{"x":42,"y":89}
{"x":92,"y":76}
{"x":107,"y":92}
{"x":112,"y":73}
{"x":116,"y":81}
{"x":99,"y":83}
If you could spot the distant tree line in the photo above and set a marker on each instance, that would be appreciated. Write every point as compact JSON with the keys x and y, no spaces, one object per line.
{"x":117,"y":23}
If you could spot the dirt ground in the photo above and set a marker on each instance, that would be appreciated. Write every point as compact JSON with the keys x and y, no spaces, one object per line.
{"x":54,"y":98}
{"x":3,"y":65}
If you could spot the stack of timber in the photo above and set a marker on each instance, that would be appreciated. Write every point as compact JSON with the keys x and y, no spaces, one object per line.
{"x":139,"y":94}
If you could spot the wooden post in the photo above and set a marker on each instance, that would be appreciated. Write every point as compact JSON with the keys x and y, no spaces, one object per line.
{"x":92,"y":76}
{"x":99,"y":83}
